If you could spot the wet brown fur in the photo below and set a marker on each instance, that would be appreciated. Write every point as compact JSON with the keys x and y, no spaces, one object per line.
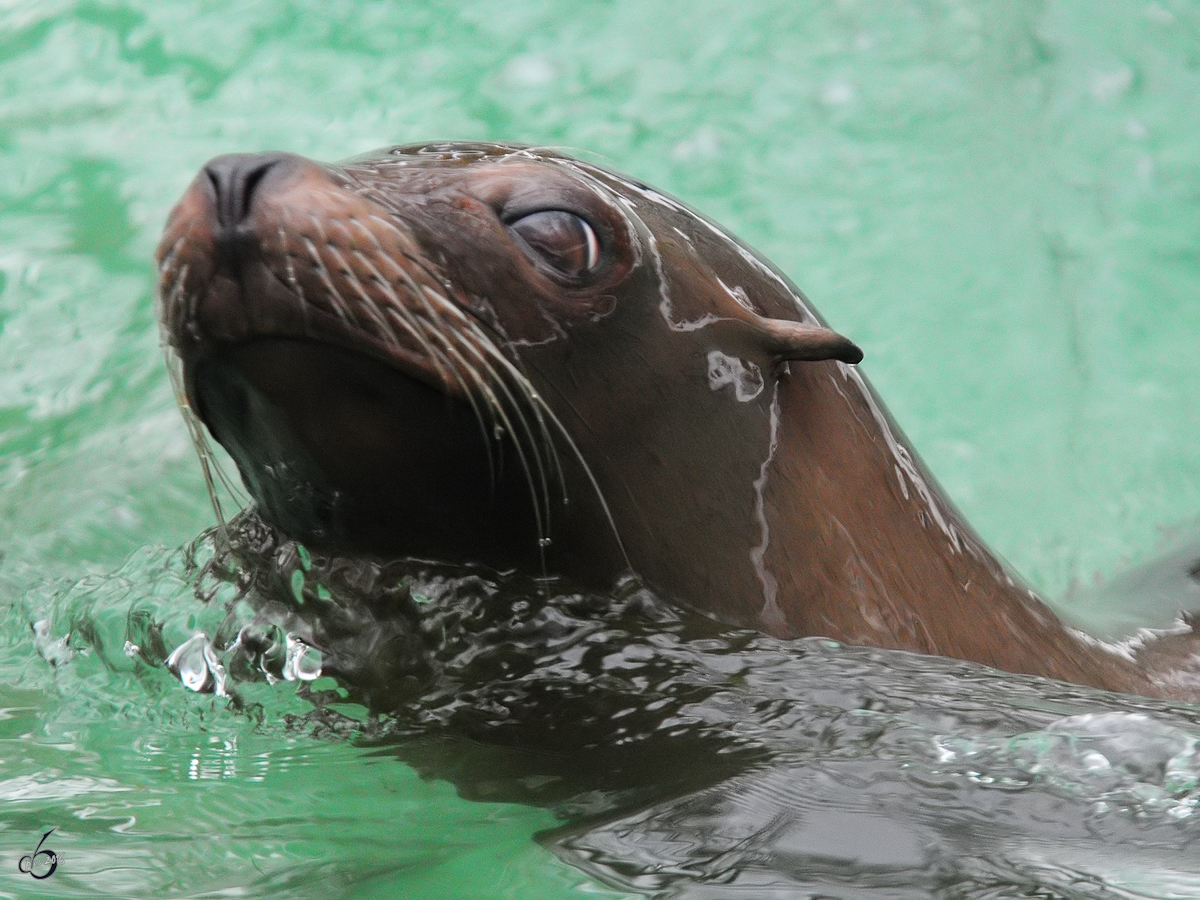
{"x":797,"y":510}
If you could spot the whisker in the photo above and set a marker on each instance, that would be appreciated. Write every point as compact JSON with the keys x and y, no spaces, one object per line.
{"x":498,"y":417}
{"x":209,"y":467}
{"x":483,"y":342}
{"x":542,"y":502}
{"x":292,"y":280}
{"x":435,"y":303}
{"x":412,"y":325}
{"x":398,"y":231}
{"x":337,"y":301}
{"x":195,"y":430}
{"x":411,"y":322}
{"x":168,"y":261}
{"x":587,"y":471}
{"x":386,"y":333}
{"x":525,"y":387}
{"x":564,"y":434}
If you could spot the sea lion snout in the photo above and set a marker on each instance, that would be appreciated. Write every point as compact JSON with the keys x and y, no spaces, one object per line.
{"x":275,"y":245}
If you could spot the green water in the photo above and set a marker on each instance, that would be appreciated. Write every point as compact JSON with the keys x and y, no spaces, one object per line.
{"x":999,"y":202}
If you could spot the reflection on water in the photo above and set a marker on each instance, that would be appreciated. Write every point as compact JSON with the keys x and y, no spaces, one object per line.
{"x":677,"y":757}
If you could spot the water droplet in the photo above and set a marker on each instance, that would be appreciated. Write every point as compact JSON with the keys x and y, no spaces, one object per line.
{"x":303,"y":661}
{"x":1095,"y":761}
{"x":56,"y":652}
{"x":544,"y":542}
{"x":498,"y":432}
{"x":195,"y":664}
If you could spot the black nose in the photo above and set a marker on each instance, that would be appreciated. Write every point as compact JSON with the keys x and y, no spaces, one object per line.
{"x":234,"y":178}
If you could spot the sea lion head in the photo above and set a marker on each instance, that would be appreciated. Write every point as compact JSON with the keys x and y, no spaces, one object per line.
{"x":484,"y":352}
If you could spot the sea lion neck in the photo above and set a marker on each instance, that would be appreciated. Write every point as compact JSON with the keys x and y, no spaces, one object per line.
{"x":815,"y":514}
{"x":883,"y":558}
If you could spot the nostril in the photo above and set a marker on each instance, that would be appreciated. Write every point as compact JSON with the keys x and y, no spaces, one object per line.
{"x":235,"y":178}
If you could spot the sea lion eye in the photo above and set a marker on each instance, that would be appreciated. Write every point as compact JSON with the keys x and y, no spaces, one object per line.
{"x":562,"y":239}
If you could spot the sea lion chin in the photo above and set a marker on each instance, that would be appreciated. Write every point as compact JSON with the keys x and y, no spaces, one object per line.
{"x":496,"y":354}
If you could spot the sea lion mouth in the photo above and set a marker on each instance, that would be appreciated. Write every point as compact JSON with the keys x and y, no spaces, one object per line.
{"x":343,"y":452}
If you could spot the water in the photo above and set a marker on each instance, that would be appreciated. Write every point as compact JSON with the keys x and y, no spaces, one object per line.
{"x":996,"y":201}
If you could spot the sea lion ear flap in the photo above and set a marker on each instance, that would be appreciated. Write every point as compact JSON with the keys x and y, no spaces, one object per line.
{"x":787,"y":340}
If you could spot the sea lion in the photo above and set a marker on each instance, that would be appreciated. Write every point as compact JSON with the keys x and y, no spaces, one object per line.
{"x":499,"y":354}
